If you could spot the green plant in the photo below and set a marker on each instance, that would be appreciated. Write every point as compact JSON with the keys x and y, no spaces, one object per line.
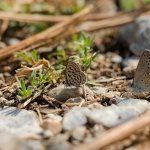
{"x":24,"y":92}
{"x":127,"y":5}
{"x":60,"y":55}
{"x":83,"y":44}
{"x":28,"y":57}
{"x":77,"y":6}
{"x":146,"y":1}
{"x":37,"y":80}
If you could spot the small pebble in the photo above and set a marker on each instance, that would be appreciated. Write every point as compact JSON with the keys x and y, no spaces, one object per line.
{"x":53,"y":125}
{"x":78,"y":133}
{"x":95,"y":105}
{"x":75,"y":100}
{"x":75,"y":117}
{"x":130,"y":62}
{"x":116,"y":59}
{"x":48,"y":134}
{"x":54,"y":117}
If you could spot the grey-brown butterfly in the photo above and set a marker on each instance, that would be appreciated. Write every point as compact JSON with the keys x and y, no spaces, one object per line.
{"x":74,"y":76}
{"x":141,"y":81}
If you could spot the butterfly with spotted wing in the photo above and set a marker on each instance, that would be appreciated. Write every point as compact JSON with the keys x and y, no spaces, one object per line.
{"x":74,"y":75}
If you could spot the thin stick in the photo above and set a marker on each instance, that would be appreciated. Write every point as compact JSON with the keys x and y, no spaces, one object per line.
{"x":81,"y":103}
{"x":40,"y":116}
{"x":32,"y":17}
{"x":117,"y":133}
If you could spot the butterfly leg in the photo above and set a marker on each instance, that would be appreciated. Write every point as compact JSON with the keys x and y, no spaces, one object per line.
{"x":84,"y":92}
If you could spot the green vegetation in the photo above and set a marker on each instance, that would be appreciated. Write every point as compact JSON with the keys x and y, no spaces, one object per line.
{"x":127,"y":5}
{"x":28,"y":57}
{"x":23,"y":92}
{"x":83,"y":46}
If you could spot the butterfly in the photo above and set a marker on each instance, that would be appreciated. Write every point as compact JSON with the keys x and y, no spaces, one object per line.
{"x":141,"y":81}
{"x":74,"y":76}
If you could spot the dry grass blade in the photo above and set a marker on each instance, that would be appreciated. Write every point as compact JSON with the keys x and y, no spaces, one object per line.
{"x":31,"y":17}
{"x":53,"y":19}
{"x":117,"y":133}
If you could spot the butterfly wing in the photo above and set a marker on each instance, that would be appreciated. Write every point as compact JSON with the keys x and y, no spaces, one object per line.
{"x":72,"y":68}
{"x":142,"y":74}
{"x":77,"y":79}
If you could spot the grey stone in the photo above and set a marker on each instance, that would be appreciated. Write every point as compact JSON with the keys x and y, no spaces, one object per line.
{"x":88,"y":139}
{"x":75,"y":117}
{"x":125,"y":110}
{"x":97,"y":130}
{"x":99,"y":90}
{"x":12,"y":41}
{"x":12,"y":142}
{"x":61,"y":138}
{"x":95,"y":105}
{"x":137,"y":105}
{"x":62,"y":93}
{"x":54,"y":117}
{"x":75,"y":100}
{"x":111,"y":116}
{"x":137,"y":34}
{"x":130,"y":62}
{"x":59,"y":146}
{"x":53,"y":125}
{"x":35,"y":145}
{"x":19,"y":122}
{"x":78,"y":133}
{"x":116,"y":59}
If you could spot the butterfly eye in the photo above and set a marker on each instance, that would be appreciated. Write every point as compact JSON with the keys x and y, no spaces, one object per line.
{"x":131,"y":85}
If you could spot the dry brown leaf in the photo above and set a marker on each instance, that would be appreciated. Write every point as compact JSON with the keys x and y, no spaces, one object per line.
{"x":40,"y":62}
{"x":26,"y":71}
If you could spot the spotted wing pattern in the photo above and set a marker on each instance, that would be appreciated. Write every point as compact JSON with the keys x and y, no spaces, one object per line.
{"x":74,"y":75}
{"x":141,"y":82}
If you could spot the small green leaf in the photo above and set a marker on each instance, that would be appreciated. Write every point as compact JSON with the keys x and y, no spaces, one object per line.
{"x":94,"y":55}
{"x":18,"y":81}
{"x":74,"y":37}
{"x":32,"y":78}
{"x":127,"y":5}
{"x":21,"y":92}
{"x":74,"y":56}
{"x":29,"y":92}
{"x":19,"y":97}
{"x":40,"y":87}
{"x":23,"y":86}
{"x":86,"y":52}
{"x":88,"y":66}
